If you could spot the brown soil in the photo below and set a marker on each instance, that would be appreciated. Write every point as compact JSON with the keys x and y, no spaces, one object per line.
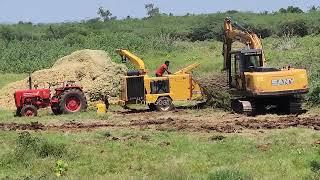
{"x":179,"y":121}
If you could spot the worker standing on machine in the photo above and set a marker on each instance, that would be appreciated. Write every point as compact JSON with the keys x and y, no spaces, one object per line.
{"x":162,"y":69}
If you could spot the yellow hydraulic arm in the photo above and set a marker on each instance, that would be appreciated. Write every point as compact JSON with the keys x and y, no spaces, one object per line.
{"x":125,"y":54}
{"x":234,"y":32}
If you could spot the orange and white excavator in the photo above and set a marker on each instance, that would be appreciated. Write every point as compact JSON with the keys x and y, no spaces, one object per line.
{"x":255,"y":86}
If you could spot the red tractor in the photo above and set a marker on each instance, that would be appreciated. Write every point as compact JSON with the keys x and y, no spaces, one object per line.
{"x":69,"y":98}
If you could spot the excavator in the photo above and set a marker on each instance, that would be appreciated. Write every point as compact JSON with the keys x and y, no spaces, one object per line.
{"x":159,"y":93}
{"x":255,"y":87}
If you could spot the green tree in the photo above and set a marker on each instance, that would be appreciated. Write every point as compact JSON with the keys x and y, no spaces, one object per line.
{"x":291,"y":9}
{"x":152,"y":10}
{"x":282,"y":10}
{"x":105,"y":14}
{"x":314,"y":8}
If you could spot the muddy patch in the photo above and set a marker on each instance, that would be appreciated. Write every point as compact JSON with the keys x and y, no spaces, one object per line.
{"x":235,"y":125}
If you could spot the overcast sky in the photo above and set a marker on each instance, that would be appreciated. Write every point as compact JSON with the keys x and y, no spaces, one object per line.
{"x":76,"y":10}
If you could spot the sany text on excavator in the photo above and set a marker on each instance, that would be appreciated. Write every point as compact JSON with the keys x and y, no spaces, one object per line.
{"x":255,"y":86}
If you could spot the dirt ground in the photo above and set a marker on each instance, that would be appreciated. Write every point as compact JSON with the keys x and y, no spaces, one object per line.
{"x":178,"y":120}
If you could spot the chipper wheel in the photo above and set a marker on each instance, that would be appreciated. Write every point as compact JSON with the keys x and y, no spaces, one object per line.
{"x":72,"y":101}
{"x":164,"y":104}
{"x":29,"y":110}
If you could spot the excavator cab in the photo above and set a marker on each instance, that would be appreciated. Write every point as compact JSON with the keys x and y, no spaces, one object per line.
{"x":243,"y":61}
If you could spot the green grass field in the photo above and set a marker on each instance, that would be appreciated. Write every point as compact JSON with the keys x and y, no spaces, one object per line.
{"x":279,"y":154}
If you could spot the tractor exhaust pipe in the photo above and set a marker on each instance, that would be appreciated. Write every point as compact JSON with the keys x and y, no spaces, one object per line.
{"x":30,"y":81}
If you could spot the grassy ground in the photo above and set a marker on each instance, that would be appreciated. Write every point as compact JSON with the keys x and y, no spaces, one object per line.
{"x":128,"y":154}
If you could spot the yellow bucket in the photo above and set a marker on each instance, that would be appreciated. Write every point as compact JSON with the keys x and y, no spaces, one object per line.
{"x":101,"y":108}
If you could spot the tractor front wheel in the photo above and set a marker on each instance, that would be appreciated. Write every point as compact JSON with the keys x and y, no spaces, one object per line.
{"x":29,"y":111}
{"x":72,"y":101}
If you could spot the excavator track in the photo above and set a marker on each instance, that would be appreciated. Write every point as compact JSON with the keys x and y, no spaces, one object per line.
{"x":253,"y":107}
{"x":243,"y":107}
{"x":294,"y":106}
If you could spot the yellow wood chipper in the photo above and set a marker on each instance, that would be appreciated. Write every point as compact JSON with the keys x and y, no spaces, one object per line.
{"x":159,"y":93}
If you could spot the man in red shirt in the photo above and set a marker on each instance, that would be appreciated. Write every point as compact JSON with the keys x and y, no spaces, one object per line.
{"x":162,"y":69}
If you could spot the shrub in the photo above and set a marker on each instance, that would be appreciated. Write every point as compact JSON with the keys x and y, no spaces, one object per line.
{"x":314,"y":29}
{"x":7,"y":34}
{"x":61,"y":31}
{"x":260,"y":29}
{"x":293,"y":28}
{"x":315,"y":166}
{"x":206,"y":32}
{"x":28,"y":145}
{"x":228,"y":174}
{"x":314,"y":95}
{"x":74,"y":39}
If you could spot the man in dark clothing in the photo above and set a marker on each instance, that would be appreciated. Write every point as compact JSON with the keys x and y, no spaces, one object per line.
{"x":162,"y":69}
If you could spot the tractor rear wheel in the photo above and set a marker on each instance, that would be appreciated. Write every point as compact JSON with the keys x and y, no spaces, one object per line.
{"x":29,"y":111}
{"x":164,"y":104}
{"x":72,"y":101}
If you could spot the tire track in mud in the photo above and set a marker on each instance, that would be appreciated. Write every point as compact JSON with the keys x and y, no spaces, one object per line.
{"x":176,"y":124}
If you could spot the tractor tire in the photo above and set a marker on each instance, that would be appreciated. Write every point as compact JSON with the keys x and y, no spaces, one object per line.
{"x":164,"y":104}
{"x":72,"y":101}
{"x":18,"y":112}
{"x":29,"y":111}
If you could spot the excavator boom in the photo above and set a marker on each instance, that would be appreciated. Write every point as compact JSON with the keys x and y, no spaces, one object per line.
{"x":234,"y":32}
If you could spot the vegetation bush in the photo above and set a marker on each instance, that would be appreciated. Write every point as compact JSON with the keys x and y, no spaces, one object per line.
{"x":29,"y":148}
{"x":74,"y":39}
{"x":315,"y":169}
{"x":293,"y":28}
{"x":260,"y":29}
{"x":206,"y":32}
{"x":314,"y":95}
{"x":28,"y":145}
{"x":228,"y":174}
